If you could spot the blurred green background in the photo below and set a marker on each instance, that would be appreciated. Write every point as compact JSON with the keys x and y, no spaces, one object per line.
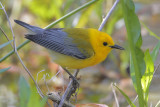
{"x":95,"y":82}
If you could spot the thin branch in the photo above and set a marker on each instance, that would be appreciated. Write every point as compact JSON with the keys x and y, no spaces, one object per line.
{"x":71,"y":13}
{"x":108,"y":15}
{"x":46,"y":83}
{"x":9,"y":26}
{"x":54,"y":76}
{"x":5,"y":35}
{"x":56,"y":98}
{"x":69,"y":91}
{"x":11,"y":52}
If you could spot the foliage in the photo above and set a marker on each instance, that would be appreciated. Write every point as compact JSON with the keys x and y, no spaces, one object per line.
{"x":126,"y":97}
{"x":29,"y":98}
{"x":141,"y":64}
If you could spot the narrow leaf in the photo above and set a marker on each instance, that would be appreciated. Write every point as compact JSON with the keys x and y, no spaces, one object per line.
{"x":5,"y":44}
{"x":24,"y":92}
{"x":43,"y":102}
{"x":148,"y":75}
{"x":5,"y":69}
{"x":126,"y":97}
{"x":155,"y":52}
{"x":35,"y":101}
{"x":150,"y":32}
{"x":135,"y":41}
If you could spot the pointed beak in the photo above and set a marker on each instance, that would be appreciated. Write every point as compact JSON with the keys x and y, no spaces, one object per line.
{"x":117,"y":47}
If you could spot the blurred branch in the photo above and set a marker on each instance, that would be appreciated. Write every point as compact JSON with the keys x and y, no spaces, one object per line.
{"x":108,"y":15}
{"x":71,"y":13}
{"x":5,"y":35}
{"x":51,"y":25}
{"x":11,"y":52}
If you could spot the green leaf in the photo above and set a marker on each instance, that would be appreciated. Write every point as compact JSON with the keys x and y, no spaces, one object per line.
{"x":132,"y":74}
{"x":155,"y":52}
{"x":5,"y":69}
{"x":83,"y":20}
{"x":34,"y":100}
{"x":148,"y":75}
{"x":43,"y":102}
{"x":135,"y":42}
{"x":150,"y":32}
{"x":126,"y":97}
{"x":24,"y":92}
{"x":5,"y":44}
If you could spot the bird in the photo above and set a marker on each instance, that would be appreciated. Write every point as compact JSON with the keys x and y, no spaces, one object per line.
{"x":72,"y":48}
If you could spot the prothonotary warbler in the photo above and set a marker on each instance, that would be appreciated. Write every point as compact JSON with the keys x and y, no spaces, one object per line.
{"x":72,"y":48}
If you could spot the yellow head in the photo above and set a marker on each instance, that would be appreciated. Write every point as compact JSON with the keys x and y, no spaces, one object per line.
{"x":102,"y":44}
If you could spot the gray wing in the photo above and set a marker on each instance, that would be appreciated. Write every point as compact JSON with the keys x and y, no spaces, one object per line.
{"x":57,"y":40}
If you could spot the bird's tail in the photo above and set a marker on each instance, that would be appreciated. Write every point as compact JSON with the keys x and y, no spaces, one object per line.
{"x":32,"y":29}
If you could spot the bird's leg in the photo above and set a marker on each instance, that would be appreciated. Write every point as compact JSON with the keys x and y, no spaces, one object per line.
{"x":75,"y":81}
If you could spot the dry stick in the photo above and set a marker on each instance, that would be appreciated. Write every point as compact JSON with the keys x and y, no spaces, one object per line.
{"x":69,"y":88}
{"x":5,"y":35}
{"x":15,"y":49}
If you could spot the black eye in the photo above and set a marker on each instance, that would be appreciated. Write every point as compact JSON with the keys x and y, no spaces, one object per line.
{"x":105,"y":43}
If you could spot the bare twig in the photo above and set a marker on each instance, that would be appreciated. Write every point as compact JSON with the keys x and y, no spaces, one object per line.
{"x":56,"y":98}
{"x":46,"y":83}
{"x":54,"y":76}
{"x":5,"y":35}
{"x":9,"y":26}
{"x":115,"y":96}
{"x":108,"y":15}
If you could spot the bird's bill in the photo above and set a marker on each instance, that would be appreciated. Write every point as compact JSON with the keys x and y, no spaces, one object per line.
{"x":117,"y":47}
